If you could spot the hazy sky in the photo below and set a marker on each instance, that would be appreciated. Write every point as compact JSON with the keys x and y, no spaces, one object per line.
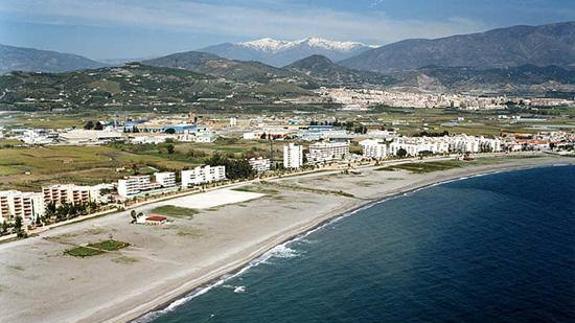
{"x":143,"y":28}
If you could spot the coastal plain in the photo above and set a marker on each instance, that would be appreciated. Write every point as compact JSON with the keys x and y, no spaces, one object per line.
{"x":39,"y":282}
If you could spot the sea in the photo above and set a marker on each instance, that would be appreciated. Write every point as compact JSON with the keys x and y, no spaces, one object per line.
{"x":492,"y":248}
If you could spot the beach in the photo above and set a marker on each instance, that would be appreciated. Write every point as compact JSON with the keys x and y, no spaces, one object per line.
{"x":39,"y":283}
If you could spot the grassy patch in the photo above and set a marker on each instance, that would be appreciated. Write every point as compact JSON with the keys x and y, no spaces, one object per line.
{"x":98,"y":248}
{"x":175,"y":211}
{"x":189,"y":232}
{"x":109,"y":245}
{"x":422,"y":168}
{"x":83,"y":252}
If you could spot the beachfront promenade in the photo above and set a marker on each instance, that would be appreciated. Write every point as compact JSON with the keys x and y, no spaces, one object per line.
{"x":162,"y":262}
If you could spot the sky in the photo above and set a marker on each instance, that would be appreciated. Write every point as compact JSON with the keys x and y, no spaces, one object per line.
{"x":105,"y":29}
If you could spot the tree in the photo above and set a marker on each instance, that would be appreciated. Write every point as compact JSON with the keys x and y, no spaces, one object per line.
{"x":170,"y":148}
{"x":99,"y":126}
{"x":18,"y":227}
{"x":134,"y":216}
{"x":89,"y":125}
{"x":4,"y":226}
{"x":401,"y":153}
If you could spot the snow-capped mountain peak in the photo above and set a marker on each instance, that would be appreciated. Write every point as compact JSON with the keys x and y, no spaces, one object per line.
{"x":274,"y":46}
{"x":283,"y":52}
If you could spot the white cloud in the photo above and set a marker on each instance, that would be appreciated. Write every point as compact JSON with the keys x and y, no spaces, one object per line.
{"x":289,"y":22}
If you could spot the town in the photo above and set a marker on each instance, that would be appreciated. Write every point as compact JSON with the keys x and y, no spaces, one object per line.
{"x":301,"y":144}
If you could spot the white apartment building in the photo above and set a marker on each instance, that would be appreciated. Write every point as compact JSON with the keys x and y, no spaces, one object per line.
{"x":260,"y":164}
{"x":68,"y":194}
{"x":26,"y":205}
{"x":327,"y":151}
{"x":202,"y":175}
{"x":134,"y":185}
{"x":374,"y":149}
{"x":293,"y":156}
{"x":166,"y":179}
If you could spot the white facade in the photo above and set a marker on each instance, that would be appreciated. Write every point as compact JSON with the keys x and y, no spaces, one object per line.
{"x":202,"y":175}
{"x":68,"y":194}
{"x":327,"y":151}
{"x":166,"y":179}
{"x":374,"y":149}
{"x":134,"y":185}
{"x":26,"y":205}
{"x":293,"y":156}
{"x":260,"y":164}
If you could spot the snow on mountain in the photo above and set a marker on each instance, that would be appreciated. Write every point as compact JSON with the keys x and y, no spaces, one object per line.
{"x":274,"y":46}
{"x":283,"y":52}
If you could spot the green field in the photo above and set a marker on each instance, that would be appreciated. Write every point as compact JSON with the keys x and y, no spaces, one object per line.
{"x":428,"y":167}
{"x":31,"y":167}
{"x":97,"y":248}
{"x":175,"y":212}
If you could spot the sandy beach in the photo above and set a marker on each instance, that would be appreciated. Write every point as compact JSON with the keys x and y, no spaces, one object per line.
{"x":232,"y":227}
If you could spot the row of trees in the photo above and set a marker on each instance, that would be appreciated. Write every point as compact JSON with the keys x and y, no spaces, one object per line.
{"x":91,"y":125}
{"x":67,"y":211}
{"x":235,"y":168}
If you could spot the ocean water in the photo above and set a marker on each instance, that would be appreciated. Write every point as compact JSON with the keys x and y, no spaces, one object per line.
{"x":494,"y":248}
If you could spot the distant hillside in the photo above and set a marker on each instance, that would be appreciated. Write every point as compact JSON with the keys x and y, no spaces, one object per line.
{"x":279,"y":53}
{"x":132,"y":86}
{"x":35,"y":60}
{"x":518,"y":79}
{"x":230,"y":69}
{"x":331,"y":74}
{"x":552,"y":44}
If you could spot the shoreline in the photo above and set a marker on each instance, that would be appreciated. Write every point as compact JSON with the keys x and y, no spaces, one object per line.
{"x":203,"y":284}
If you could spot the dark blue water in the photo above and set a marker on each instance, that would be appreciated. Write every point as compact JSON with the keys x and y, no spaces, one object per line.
{"x":497,"y":248}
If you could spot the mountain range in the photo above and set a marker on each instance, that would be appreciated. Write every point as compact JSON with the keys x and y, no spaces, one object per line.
{"x":552,"y":44}
{"x":35,"y":60}
{"x":508,"y":60}
{"x":279,"y":53}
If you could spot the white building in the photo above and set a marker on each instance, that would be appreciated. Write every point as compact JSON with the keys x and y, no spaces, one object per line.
{"x":374,"y":149}
{"x":134,"y":185}
{"x":293,"y":156}
{"x":68,"y":194}
{"x":202,"y":175}
{"x":327,"y":151}
{"x":26,"y":205}
{"x":166,"y":179}
{"x":260,"y":164}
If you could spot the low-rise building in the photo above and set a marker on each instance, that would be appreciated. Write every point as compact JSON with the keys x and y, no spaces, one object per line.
{"x":260,"y":164}
{"x":27,"y":205}
{"x":327,"y":151}
{"x":202,"y":175}
{"x":134,"y":185}
{"x":166,"y":179}
{"x":374,"y":148}
{"x":68,"y":194}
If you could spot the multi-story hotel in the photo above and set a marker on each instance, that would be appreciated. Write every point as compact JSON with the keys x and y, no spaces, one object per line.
{"x":374,"y":149}
{"x":202,"y":175}
{"x":67,"y":194}
{"x":327,"y":151}
{"x":293,"y":156}
{"x":166,"y":179}
{"x":26,"y":205}
{"x":134,"y":185}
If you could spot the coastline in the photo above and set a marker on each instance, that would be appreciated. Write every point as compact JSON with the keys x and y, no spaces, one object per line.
{"x":170,"y":267}
{"x":187,"y":293}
